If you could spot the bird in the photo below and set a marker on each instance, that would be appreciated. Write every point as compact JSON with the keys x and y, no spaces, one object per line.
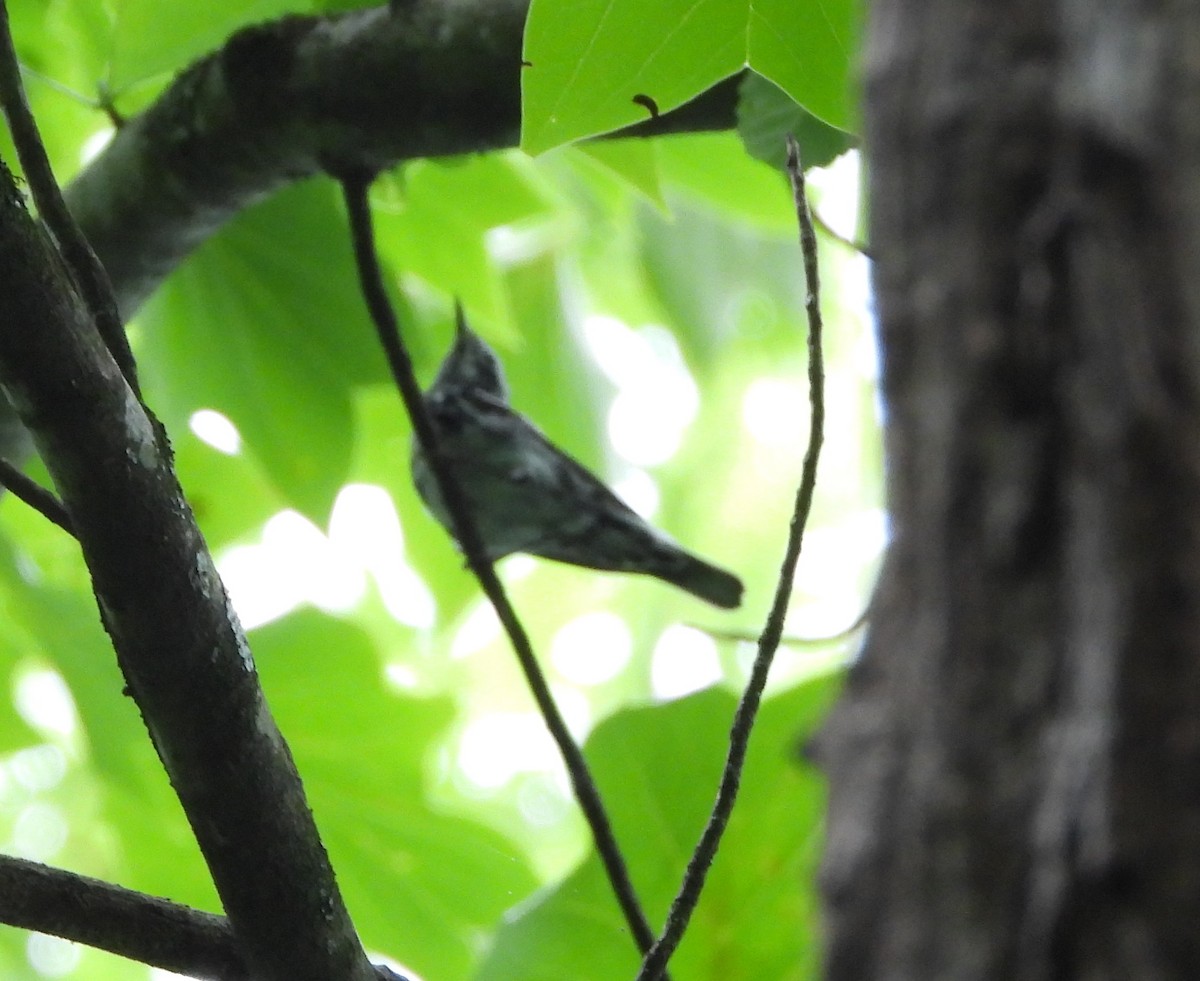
{"x":527,"y":495}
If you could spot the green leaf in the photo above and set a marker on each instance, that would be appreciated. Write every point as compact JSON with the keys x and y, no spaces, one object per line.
{"x":151,"y":38}
{"x":59,"y":46}
{"x":421,"y":884}
{"x":265,"y":325}
{"x":230,"y":495}
{"x":153,"y":845}
{"x":658,"y":768}
{"x":633,"y":162}
{"x":590,"y":59}
{"x":807,"y":49}
{"x":767,"y":114}
{"x":714,"y":168}
{"x":15,"y":646}
{"x":63,"y":629}
{"x":598,"y":65}
{"x":439,"y":227}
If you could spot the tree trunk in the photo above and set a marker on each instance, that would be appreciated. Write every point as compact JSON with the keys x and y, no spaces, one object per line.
{"x":1015,"y":765}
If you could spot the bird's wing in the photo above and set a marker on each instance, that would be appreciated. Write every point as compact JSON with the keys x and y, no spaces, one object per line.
{"x":530,"y":496}
{"x":593,"y":526}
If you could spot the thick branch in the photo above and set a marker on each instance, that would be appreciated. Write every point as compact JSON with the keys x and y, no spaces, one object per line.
{"x":131,"y":924}
{"x":178,"y":641}
{"x":353,"y":93}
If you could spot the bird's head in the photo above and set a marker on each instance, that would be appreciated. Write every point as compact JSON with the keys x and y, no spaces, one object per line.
{"x":471,"y":366}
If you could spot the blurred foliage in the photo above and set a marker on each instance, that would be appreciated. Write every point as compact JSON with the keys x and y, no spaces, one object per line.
{"x":623,"y":283}
{"x":760,"y":896}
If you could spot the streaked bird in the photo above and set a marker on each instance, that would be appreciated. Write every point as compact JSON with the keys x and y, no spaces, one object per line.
{"x":529,"y":496}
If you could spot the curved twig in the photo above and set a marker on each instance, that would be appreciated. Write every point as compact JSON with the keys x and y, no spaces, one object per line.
{"x":860,"y":247}
{"x":839,"y":637}
{"x":654,"y":966}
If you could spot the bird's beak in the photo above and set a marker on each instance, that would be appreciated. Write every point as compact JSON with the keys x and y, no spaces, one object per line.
{"x":460,"y":321}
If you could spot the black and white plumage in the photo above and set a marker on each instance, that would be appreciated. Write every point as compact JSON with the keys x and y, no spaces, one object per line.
{"x":529,"y":496}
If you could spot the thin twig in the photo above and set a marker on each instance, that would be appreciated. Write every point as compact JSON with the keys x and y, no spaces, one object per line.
{"x":743,"y":721}
{"x":108,"y":917}
{"x":860,"y":247}
{"x":152,"y":931}
{"x":27,"y":489}
{"x":88,"y":274}
{"x":467,"y":533}
{"x":844,"y":634}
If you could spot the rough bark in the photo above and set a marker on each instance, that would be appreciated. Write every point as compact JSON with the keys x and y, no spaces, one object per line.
{"x":1015,"y":766}
{"x":154,"y":931}
{"x":178,"y":641}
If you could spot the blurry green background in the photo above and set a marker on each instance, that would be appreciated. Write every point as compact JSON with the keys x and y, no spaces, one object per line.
{"x":647,"y":301}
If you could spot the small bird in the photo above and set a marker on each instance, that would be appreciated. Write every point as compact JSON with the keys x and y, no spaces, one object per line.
{"x":529,"y":496}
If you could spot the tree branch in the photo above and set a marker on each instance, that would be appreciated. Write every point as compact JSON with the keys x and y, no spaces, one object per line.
{"x":131,"y":924}
{"x":178,"y":641}
{"x":743,"y":721}
{"x":152,"y":931}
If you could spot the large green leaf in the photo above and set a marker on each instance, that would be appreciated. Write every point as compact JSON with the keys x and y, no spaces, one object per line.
{"x":265,"y":324}
{"x":62,"y":47}
{"x":62,"y":627}
{"x":807,"y":48}
{"x":598,"y":65}
{"x":438,"y":223}
{"x":421,"y":884}
{"x":16,"y":645}
{"x":658,"y":767}
{"x":231,"y":495}
{"x":587,"y":61}
{"x":714,"y":167}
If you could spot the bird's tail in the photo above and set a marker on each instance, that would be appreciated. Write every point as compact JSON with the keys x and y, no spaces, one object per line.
{"x":706,"y":581}
{"x":617,"y":540}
